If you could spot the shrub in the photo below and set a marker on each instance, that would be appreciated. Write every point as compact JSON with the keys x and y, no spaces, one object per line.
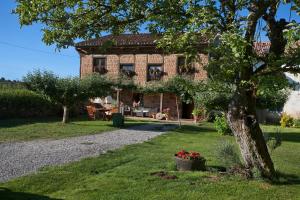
{"x":227,"y":153}
{"x":222,"y":126}
{"x":22,"y":103}
{"x":211,"y":116}
{"x":286,"y":120}
{"x":296,"y":123}
{"x":199,"y":113}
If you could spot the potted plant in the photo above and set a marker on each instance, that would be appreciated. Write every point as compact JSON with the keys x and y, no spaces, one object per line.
{"x":189,"y":161}
{"x":198,"y":114}
{"x":128,"y":73}
{"x":155,"y":74}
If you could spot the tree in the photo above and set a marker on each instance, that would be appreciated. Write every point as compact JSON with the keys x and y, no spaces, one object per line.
{"x":182,"y":88}
{"x":231,"y":27}
{"x":66,"y":91}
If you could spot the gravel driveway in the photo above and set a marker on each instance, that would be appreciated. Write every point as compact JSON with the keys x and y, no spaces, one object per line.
{"x":21,"y":158}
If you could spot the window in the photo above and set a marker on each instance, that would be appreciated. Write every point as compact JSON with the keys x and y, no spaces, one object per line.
{"x":154,"y":72}
{"x":99,"y":65}
{"x":127,"y":70}
{"x":183,"y":67}
{"x":180,"y":64}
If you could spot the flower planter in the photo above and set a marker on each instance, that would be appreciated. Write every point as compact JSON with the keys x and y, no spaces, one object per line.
{"x":190,"y":165}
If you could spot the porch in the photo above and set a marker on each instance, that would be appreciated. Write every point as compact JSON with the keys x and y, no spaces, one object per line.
{"x":161,"y":106}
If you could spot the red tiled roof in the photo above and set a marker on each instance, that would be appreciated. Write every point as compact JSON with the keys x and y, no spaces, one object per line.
{"x":147,"y":39}
{"x":262,"y":48}
{"x":141,"y":39}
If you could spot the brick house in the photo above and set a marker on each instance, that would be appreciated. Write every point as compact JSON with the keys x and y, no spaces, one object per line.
{"x":137,"y":56}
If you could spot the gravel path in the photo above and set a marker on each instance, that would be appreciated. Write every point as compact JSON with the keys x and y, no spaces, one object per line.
{"x":21,"y":158}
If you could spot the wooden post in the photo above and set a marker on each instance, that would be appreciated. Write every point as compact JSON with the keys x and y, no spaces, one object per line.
{"x":161,"y":102}
{"x":118,"y":99}
{"x":177,"y":107}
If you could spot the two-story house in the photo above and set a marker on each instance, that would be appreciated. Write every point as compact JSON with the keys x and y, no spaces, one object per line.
{"x":136,"y":56}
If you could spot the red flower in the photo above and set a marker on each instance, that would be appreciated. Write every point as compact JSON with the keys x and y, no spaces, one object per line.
{"x":188,"y":155}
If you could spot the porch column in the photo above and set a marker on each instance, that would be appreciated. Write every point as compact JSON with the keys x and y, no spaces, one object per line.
{"x":161,"y":102}
{"x":118,"y":99}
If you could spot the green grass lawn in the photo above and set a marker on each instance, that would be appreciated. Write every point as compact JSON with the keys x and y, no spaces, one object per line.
{"x":30,"y":129}
{"x":125,"y":173}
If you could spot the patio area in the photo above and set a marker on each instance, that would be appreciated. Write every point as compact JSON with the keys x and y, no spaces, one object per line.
{"x":161,"y":106}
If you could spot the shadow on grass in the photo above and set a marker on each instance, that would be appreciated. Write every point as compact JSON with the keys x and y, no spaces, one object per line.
{"x":287,"y":136}
{"x":10,"y":195}
{"x":286,"y":179}
{"x":215,"y":168}
{"x":153,"y":127}
{"x":192,"y":129}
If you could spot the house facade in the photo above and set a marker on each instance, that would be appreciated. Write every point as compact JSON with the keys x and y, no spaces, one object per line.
{"x":292,"y":106}
{"x":136,"y":56}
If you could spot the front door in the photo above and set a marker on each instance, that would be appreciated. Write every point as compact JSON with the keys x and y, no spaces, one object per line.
{"x":187,"y":110}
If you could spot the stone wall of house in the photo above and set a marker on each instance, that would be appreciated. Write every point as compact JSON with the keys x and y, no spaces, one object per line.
{"x":200,"y":72}
{"x":141,"y":61}
{"x":86,"y":65}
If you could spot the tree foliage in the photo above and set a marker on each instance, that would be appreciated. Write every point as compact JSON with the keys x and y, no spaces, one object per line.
{"x":67,"y":91}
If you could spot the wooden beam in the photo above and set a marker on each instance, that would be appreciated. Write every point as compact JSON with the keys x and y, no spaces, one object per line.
{"x":161,"y":102}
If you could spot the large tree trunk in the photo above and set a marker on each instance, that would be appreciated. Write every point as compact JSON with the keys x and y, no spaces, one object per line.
{"x":65,"y":114}
{"x":243,"y":122}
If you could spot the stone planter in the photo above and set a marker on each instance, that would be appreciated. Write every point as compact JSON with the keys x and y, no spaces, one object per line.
{"x":190,"y":165}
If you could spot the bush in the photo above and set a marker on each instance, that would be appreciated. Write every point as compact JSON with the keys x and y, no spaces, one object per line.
{"x":228,"y":155}
{"x":286,"y":120}
{"x":199,"y":114}
{"x":20,"y":103}
{"x":296,"y":123}
{"x":222,"y":126}
{"x":211,"y":116}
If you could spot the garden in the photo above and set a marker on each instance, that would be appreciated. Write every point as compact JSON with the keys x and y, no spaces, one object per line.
{"x":245,"y":48}
{"x":191,"y":161}
{"x":148,"y":171}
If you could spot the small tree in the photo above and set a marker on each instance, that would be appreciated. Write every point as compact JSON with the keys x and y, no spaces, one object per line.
{"x":66,"y":91}
{"x":182,"y":88}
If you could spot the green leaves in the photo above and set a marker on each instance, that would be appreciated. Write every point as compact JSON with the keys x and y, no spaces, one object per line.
{"x":272,"y":91}
{"x":67,"y":91}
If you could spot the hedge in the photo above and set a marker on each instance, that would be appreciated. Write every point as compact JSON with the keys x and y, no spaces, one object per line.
{"x":20,"y":103}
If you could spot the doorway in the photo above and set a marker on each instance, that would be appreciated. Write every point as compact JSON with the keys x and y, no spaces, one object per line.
{"x":187,"y":110}
{"x":137,"y":99}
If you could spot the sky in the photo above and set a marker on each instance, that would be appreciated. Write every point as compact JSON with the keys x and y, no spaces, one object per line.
{"x":22,"y":49}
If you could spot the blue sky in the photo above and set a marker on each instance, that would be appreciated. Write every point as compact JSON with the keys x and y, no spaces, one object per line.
{"x":22,"y":49}
{"x":15,"y":62}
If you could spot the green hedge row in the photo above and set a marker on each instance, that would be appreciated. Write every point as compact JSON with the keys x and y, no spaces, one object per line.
{"x":20,"y":103}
